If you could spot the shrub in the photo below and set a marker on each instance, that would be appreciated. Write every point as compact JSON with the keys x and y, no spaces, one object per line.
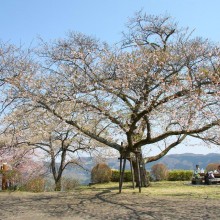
{"x":101,"y":173}
{"x":69,"y":184}
{"x":13,"y":178}
{"x":212,"y":167}
{"x":159,"y":172}
{"x":180,"y":175}
{"x":36,"y":184}
{"x":13,"y":175}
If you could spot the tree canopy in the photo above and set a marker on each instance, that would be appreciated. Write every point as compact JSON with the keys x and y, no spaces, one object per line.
{"x":159,"y":85}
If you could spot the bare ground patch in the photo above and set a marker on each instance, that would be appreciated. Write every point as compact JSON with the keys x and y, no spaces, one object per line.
{"x":105,"y":204}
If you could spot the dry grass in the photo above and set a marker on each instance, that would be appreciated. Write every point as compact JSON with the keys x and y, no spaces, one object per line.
{"x":164,"y":188}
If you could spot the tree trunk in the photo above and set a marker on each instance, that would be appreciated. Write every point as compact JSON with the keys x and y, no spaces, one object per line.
{"x":144,"y":179}
{"x":57,"y":173}
{"x":57,"y":185}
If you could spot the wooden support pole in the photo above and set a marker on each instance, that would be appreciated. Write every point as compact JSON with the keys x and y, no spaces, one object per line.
{"x":122,"y":173}
{"x":132,"y":172}
{"x":138,"y":170}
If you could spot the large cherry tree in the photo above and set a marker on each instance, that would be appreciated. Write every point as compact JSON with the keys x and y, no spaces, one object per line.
{"x":157,"y":88}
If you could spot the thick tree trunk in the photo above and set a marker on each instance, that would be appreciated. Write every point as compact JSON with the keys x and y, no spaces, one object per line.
{"x":144,"y":179}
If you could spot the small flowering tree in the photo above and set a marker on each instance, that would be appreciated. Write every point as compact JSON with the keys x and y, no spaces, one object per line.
{"x":49,"y":139}
{"x":21,"y":166}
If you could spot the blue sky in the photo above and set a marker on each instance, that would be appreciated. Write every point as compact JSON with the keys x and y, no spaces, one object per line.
{"x":22,"y":21}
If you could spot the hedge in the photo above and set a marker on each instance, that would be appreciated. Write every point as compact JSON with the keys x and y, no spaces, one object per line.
{"x":173,"y":175}
{"x":116,"y":174}
{"x":180,"y":175}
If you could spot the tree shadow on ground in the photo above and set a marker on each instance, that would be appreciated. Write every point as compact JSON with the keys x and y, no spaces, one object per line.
{"x":105,"y":204}
{"x":130,"y":210}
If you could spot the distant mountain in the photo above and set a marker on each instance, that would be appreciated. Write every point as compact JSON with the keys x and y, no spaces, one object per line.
{"x":187,"y":161}
{"x":174,"y":161}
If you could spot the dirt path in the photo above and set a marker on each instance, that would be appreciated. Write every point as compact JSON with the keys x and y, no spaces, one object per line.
{"x":104,"y":204}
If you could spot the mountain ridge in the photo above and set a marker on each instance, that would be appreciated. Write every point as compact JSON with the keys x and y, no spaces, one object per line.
{"x":185,"y":161}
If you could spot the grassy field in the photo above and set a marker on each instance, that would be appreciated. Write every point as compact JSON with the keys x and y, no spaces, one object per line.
{"x":156,"y":189}
{"x":164,"y":188}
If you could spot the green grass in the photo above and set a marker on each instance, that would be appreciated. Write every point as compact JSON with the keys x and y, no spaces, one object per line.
{"x":163,"y":188}
{"x":180,"y":189}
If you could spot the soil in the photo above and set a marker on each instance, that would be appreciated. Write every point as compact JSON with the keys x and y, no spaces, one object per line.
{"x":104,"y":204}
